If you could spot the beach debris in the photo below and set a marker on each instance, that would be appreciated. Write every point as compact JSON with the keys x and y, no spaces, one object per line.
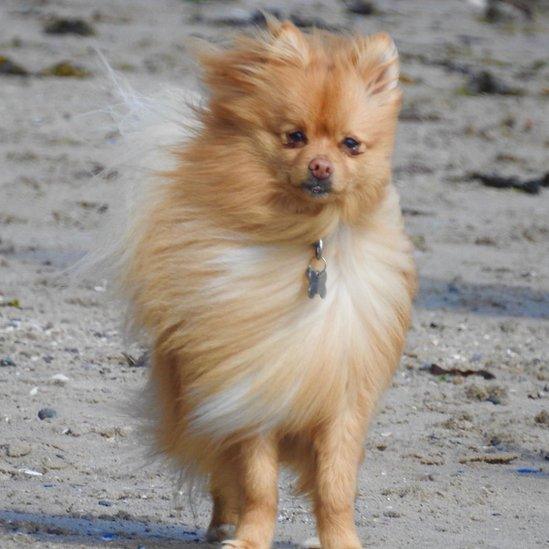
{"x":66,"y":69}
{"x":361,"y":7}
{"x":140,"y":362}
{"x":61,"y":25}
{"x":530,"y":186}
{"x":542,"y":418}
{"x":427,"y":460}
{"x":412,"y":114}
{"x":485,"y":82}
{"x":10,"y":68}
{"x":437,"y":370}
{"x":499,"y":458}
{"x":31,"y":473}
{"x":47,"y":413}
{"x":11,"y":303}
{"x":526,"y":471}
{"x":499,"y":11}
{"x":495,"y":394}
{"x":7,"y":362}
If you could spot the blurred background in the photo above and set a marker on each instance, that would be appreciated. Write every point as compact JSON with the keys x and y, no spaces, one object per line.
{"x":459,"y":451}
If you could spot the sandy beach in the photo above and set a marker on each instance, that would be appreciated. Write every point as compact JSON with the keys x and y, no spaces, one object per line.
{"x":458,"y":455}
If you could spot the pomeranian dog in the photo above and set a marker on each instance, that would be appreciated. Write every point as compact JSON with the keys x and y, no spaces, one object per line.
{"x":269,"y":268}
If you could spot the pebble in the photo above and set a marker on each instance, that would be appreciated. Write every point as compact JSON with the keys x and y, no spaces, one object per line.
{"x":59,"y":379}
{"x":361,"y":7}
{"x":69,"y":26}
{"x":18,"y":450}
{"x":47,"y":413}
{"x":486,"y":82}
{"x":104,"y":503}
{"x":542,"y":418}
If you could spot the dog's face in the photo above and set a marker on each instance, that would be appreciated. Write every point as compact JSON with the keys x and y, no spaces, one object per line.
{"x":314,"y":114}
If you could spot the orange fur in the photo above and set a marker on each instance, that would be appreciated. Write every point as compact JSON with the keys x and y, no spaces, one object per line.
{"x":247,"y":371}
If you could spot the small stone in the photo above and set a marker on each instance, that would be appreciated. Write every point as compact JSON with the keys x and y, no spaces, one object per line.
{"x":47,"y":413}
{"x":59,"y":379}
{"x":69,"y":26}
{"x":6,"y":362}
{"x":10,"y":68}
{"x":104,"y":503}
{"x":542,"y":418}
{"x":18,"y":450}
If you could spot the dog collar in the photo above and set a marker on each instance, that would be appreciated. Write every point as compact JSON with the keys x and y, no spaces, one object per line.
{"x":316,"y":278}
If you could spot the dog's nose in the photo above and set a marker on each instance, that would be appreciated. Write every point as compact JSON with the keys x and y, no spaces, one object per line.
{"x":321,"y":167}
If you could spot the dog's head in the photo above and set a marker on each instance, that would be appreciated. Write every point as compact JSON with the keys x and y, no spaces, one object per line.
{"x":308,"y":118}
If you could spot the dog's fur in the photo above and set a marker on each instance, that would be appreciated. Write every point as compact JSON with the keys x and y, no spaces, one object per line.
{"x":247,"y":371}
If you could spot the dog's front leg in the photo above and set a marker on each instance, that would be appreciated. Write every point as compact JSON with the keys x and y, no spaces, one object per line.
{"x":338,"y":453}
{"x":258,"y":478}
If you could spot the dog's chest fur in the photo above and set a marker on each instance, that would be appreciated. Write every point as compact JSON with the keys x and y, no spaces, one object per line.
{"x":275,"y":357}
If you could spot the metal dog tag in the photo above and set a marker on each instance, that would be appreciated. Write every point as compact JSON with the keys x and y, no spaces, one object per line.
{"x":317,"y":279}
{"x":317,"y":282}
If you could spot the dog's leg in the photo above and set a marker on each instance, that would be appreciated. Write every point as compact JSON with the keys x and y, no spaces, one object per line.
{"x":338,"y":453}
{"x":258,"y":477}
{"x":226,"y":500}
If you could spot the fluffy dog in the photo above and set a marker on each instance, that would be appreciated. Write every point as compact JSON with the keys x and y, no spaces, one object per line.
{"x":293,"y":146}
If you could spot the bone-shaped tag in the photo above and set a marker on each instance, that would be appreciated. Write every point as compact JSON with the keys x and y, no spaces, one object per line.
{"x":317,"y":282}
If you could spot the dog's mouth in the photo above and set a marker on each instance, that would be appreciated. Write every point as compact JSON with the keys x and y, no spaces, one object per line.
{"x":317,"y":188}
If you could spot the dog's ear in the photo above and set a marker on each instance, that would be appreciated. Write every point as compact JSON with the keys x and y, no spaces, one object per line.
{"x":287,"y":42}
{"x":376,"y":59}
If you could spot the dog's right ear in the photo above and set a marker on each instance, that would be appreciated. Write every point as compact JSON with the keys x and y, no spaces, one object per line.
{"x":242,"y":65}
{"x":287,"y":43}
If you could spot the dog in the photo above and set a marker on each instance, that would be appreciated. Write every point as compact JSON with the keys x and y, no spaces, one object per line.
{"x":268,"y":266}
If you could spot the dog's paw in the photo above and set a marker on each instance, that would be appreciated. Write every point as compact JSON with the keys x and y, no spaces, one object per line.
{"x":311,"y":543}
{"x":220,"y":533}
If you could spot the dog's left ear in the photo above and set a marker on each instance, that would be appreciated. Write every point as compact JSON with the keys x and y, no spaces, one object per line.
{"x":376,"y":59}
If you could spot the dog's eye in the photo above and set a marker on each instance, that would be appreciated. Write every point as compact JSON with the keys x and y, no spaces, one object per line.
{"x":295,"y":139}
{"x":351,"y":144}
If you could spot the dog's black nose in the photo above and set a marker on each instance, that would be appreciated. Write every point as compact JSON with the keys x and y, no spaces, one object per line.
{"x":317,"y":187}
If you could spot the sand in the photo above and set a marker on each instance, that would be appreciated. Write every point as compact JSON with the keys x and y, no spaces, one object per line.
{"x":451,"y":461}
